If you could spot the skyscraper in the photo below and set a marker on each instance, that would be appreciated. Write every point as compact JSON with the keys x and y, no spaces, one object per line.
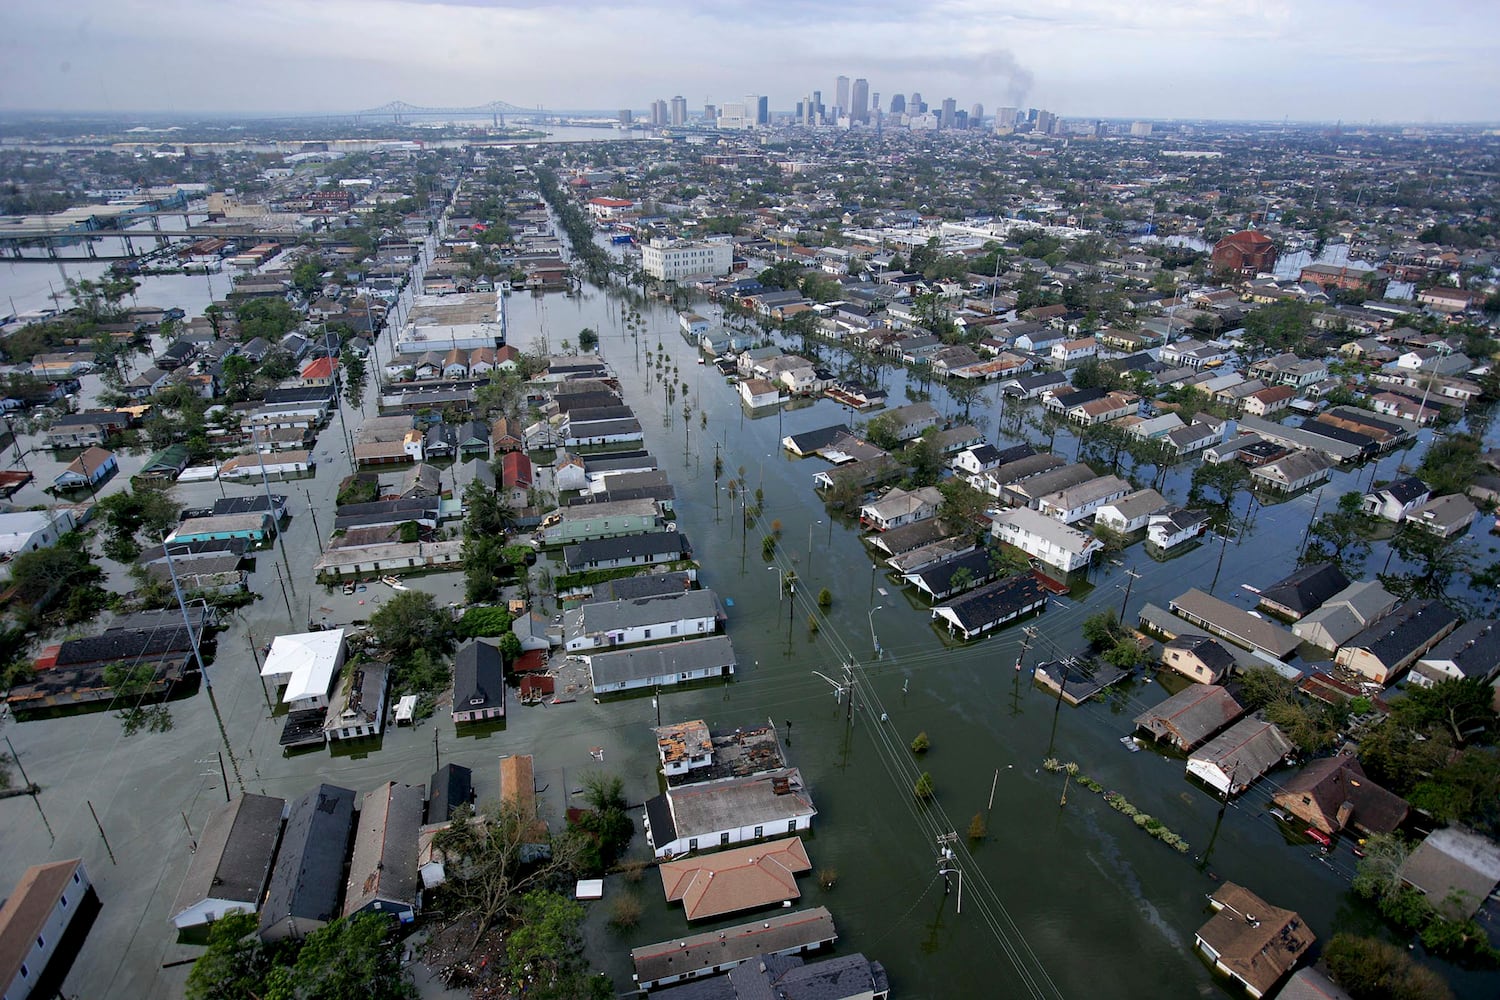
{"x":817,"y":112}
{"x":915,"y":106}
{"x":859,"y":111}
{"x":625,"y":116}
{"x":1005,"y":119}
{"x":679,"y":110}
{"x":976,"y":115}
{"x":841,"y":96}
{"x":710,"y":113}
{"x":898,"y":104}
{"x":659,"y":112}
{"x":949,"y":118}
{"x":762,"y":110}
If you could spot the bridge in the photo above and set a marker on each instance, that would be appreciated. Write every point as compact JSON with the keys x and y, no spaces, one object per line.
{"x":401,"y":110}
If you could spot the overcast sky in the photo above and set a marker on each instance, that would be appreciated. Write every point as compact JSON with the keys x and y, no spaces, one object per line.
{"x":1305,"y":59}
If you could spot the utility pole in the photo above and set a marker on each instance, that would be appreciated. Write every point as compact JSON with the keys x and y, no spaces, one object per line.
{"x":287,"y":600}
{"x":102,"y":837}
{"x":1134,"y":576}
{"x":316,"y":530}
{"x":1307,"y":534}
{"x":255,"y":655}
{"x":437,"y":758}
{"x":947,"y":863}
{"x":224,"y":775}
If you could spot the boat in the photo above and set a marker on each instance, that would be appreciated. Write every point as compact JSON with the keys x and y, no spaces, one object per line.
{"x":393,"y":583}
{"x":1129,"y":743}
{"x":1319,"y":836}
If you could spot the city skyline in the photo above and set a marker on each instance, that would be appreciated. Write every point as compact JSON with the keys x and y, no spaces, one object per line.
{"x":1089,"y":58}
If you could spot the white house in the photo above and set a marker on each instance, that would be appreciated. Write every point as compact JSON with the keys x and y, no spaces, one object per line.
{"x":693,"y":325}
{"x":732,"y":811}
{"x":1171,"y":528}
{"x":89,"y":469}
{"x":1077,"y":502}
{"x":356,"y":708}
{"x":29,"y":530}
{"x":1047,"y":539}
{"x":1066,"y":353}
{"x":1397,"y":499}
{"x":1233,"y":760}
{"x":692,"y":613}
{"x":758,"y":392}
{"x":1130,"y":512}
{"x":1296,"y":471}
{"x":684,"y":747}
{"x":1444,"y":516}
{"x":34,"y":919}
{"x":900,"y":507}
{"x":661,"y":665}
{"x":229,"y":869}
{"x":306,"y":663}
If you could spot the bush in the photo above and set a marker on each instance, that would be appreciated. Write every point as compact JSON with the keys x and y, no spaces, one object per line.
{"x":825,"y":598}
{"x":923,"y":788}
{"x":978,"y":829}
{"x":1376,"y":970}
{"x":828,"y":877}
{"x":768,"y":547}
{"x":921,"y":744}
{"x":484,"y":623}
{"x":625,"y":910}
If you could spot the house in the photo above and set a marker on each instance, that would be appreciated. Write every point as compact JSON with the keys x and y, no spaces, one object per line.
{"x":1110,"y":406}
{"x":600,"y":520}
{"x":1232,"y":761}
{"x":254,"y":527}
{"x":36,"y":917}
{"x":30,"y":530}
{"x":1334,"y":794}
{"x":758,"y":392}
{"x":899,"y":507}
{"x":1245,"y":254}
{"x":89,"y":469}
{"x":80,"y":430}
{"x":284,"y":465}
{"x":356,"y":707}
{"x":1235,"y":624}
{"x":848,"y":977}
{"x":684,"y":747}
{"x":303,"y":894}
{"x":1296,"y":471}
{"x":731,"y":811}
{"x":1066,"y":353}
{"x":661,"y":665}
{"x":478,"y":682}
{"x":1078,"y":502}
{"x":651,"y":548}
{"x":1251,"y":941}
{"x":1290,"y":370}
{"x":1045,"y":538}
{"x":753,"y":944}
{"x":232,"y":862}
{"x":953,"y":575}
{"x":1197,"y":657}
{"x":506,"y":435}
{"x":1456,"y":869}
{"x":745,"y":878}
{"x":1264,"y":402}
{"x":1193,"y":438}
{"x":991,"y":606}
{"x":1304,"y":591}
{"x":383,"y":867}
{"x":1310,"y":984}
{"x":451,"y":788}
{"x":1397,"y":499}
{"x":1443,"y":516}
{"x":906,"y":423}
{"x":641,"y":620}
{"x":167,"y":464}
{"x":1190,"y":716}
{"x":306,"y":663}
{"x":1172,"y":528}
{"x":1029,"y":491}
{"x":1471,"y":650}
{"x":1343,"y":615}
{"x":518,"y":790}
{"x":319,"y":371}
{"x":1393,"y":643}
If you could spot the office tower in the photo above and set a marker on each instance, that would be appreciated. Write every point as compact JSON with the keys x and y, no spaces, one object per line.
{"x":809,"y":114}
{"x":875,"y":103}
{"x":841,"y":97}
{"x":626,"y":116}
{"x":960,"y":120}
{"x":914,"y":105}
{"x":659,"y":112}
{"x":898,"y":104}
{"x":950,"y":106}
{"x":736,"y":116}
{"x":976,"y":115}
{"x":710,"y":113}
{"x":818,"y":111}
{"x":1045,"y":122}
{"x":859,"y":111}
{"x":1031,"y":114}
{"x":679,"y":110}
{"x":762,"y":110}
{"x":1005,"y":118}
{"x":1140,"y":129}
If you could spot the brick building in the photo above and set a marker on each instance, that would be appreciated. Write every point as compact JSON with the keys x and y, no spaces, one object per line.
{"x":1246,"y":254}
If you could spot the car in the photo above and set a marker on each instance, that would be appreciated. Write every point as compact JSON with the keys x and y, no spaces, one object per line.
{"x":349,"y":587}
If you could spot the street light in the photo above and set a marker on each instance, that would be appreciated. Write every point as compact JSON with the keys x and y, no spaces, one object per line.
{"x":781,"y":588}
{"x":809,"y":540}
{"x":874,"y":641}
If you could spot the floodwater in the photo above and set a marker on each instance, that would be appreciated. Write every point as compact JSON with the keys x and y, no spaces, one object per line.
{"x":1061,"y":899}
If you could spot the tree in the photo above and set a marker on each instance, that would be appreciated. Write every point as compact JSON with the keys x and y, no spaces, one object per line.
{"x":963,"y":506}
{"x":923,"y":788}
{"x":920,"y":743}
{"x":491,"y":862}
{"x":1377,"y":970}
{"x":606,"y":825}
{"x":353,"y":959}
{"x":978,"y":828}
{"x":412,"y":621}
{"x":1091,"y":373}
{"x":825,"y":598}
{"x":925,"y":460}
{"x":238,"y":374}
{"x":588,"y":340}
{"x":1102,"y":629}
{"x":235,"y":964}
{"x":1310,"y":727}
{"x":41,"y":575}
{"x":1378,"y":873}
{"x":1463,"y":708}
{"x":127,"y":514}
{"x":964,"y":392}
{"x":1224,"y":479}
{"x":355,"y":377}
{"x":1260,"y":686}
{"x":545,"y":951}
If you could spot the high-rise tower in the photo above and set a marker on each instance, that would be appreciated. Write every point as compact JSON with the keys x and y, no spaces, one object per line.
{"x":859,"y":111}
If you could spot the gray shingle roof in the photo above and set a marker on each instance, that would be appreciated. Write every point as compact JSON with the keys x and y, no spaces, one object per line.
{"x":310,"y":866}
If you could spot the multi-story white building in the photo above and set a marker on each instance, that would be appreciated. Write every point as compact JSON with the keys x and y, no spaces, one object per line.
{"x":672,"y":260}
